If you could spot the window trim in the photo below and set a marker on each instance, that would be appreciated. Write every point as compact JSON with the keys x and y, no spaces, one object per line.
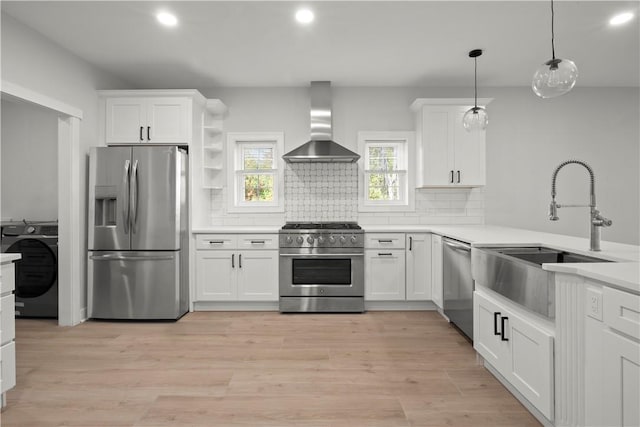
{"x":403,"y":138}
{"x":234,"y":141}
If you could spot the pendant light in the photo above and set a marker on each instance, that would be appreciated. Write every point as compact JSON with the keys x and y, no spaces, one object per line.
{"x":556,"y":76}
{"x":475,"y":118}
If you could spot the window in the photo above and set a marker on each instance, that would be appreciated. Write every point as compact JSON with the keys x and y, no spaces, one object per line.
{"x":386,"y":179}
{"x":256,"y":172}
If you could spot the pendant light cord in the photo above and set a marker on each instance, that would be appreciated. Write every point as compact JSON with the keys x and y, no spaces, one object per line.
{"x":553,"y":48}
{"x":475,"y":81}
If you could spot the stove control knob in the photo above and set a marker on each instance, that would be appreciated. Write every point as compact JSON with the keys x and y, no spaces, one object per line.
{"x":289,"y":239}
{"x":321,"y":239}
{"x":332,"y":239}
{"x":310,"y":240}
{"x":354,"y":239}
{"x":343,"y":240}
{"x":30,"y":229}
{"x":299,"y":239}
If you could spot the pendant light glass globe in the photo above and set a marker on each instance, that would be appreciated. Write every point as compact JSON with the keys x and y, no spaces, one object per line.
{"x":554,"y":78}
{"x":475,"y":119}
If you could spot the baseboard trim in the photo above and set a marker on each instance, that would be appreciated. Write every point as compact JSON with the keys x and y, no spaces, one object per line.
{"x":236,"y":306}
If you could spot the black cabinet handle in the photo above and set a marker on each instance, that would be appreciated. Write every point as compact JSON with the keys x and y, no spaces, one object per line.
{"x":149,"y":138}
{"x":502,"y":320}
{"x":458,"y":177}
{"x":410,"y":243}
{"x":233,"y":260}
{"x":385,"y":254}
{"x":140,"y":133}
{"x":495,"y":323}
{"x":452,"y":177}
{"x":240,"y":260}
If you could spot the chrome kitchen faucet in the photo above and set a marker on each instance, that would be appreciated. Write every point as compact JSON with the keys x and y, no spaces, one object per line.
{"x":597,"y":220}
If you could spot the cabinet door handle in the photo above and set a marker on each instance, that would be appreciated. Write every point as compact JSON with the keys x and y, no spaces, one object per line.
{"x":451,"y":177}
{"x":240,"y":260}
{"x":149,"y":139}
{"x":385,"y":241}
{"x":496,"y":314}
{"x":233,"y":260}
{"x":410,"y":243}
{"x":140,"y":133}
{"x":502,"y":320}
{"x":458,"y":177}
{"x":385,"y":254}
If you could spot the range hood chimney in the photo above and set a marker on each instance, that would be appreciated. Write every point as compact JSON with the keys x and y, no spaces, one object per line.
{"x":321,"y":148}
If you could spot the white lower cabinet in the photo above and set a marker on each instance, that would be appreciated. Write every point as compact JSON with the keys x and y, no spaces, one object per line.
{"x":7,"y":329}
{"x":418,"y":266}
{"x":236,"y":268}
{"x":397,"y":267}
{"x":436,"y":270}
{"x":515,"y":346}
{"x":384,"y":276}
{"x":613,"y":359}
{"x":384,"y":267}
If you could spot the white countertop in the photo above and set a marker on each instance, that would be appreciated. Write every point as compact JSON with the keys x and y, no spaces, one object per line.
{"x":238,"y":229}
{"x":7,"y":258}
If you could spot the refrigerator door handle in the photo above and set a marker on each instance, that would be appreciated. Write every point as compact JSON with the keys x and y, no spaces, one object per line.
{"x":133,"y":200}
{"x":126,"y":190}
{"x":131,"y":258}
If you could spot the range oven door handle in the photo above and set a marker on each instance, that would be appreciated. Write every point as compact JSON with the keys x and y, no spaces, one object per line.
{"x":319,"y":255}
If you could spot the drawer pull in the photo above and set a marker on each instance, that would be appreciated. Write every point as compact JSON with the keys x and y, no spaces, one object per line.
{"x":385,"y":241}
{"x":385,"y":254}
{"x":216,"y":242}
{"x":257,"y":242}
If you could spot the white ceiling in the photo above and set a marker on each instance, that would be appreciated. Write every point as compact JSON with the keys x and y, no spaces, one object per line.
{"x":351,"y":43}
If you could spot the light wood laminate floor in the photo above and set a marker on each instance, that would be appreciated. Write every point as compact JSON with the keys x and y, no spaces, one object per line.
{"x":256,"y":369}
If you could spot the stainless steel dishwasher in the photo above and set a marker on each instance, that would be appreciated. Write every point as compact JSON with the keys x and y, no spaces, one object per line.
{"x":458,"y":284}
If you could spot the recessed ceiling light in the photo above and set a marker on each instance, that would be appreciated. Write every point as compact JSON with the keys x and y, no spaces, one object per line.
{"x":167,"y":19}
{"x":304,"y":16}
{"x":621,"y":18}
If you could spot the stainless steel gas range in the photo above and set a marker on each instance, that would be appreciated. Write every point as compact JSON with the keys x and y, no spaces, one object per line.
{"x":321,"y":267}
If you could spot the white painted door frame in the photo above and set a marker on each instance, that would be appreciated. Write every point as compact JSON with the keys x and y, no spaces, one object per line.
{"x":70,"y":211}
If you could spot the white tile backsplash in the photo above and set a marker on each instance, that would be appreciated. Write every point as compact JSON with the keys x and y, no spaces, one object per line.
{"x":321,"y":192}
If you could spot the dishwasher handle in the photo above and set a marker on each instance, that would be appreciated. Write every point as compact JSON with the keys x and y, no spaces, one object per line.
{"x":459,"y":246}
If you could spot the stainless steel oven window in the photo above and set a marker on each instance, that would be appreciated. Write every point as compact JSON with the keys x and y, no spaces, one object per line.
{"x":314,"y":271}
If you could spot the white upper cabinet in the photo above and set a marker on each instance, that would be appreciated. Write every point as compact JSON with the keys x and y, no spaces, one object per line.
{"x":150,"y":117}
{"x":448,"y":155}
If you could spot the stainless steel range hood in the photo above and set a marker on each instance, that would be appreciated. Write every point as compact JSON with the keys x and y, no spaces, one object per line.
{"x":321,"y":148}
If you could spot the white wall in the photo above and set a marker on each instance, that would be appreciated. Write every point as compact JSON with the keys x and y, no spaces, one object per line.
{"x":529,"y":137}
{"x":33,"y":62}
{"x":29,"y":167}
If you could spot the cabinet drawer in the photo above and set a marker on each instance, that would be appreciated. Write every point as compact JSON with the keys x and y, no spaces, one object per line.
{"x":8,"y":322}
{"x":8,"y":366}
{"x":384,"y":241}
{"x":8,"y":278}
{"x":257,"y":241}
{"x":216,"y":241}
{"x":621,"y":311}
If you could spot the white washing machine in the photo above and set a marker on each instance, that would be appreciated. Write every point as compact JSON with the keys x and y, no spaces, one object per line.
{"x":37,"y":270}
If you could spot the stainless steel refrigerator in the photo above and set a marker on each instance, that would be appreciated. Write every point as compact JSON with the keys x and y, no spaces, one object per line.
{"x":138,"y":242}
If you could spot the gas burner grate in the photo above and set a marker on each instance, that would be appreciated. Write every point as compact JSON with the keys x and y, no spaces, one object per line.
{"x":321,"y":226}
